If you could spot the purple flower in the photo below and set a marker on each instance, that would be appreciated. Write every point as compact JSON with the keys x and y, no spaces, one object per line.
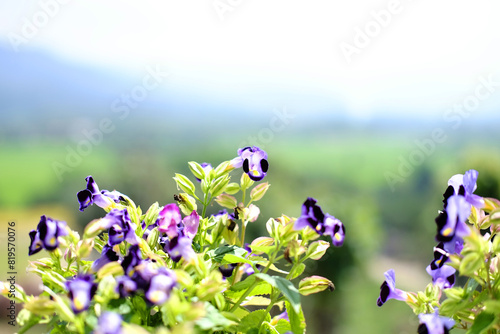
{"x":132,"y":259}
{"x":120,"y":227}
{"x":92,"y":195}
{"x":465,"y":185}
{"x":107,"y":255}
{"x":125,"y":286}
{"x":160,"y":286}
{"x":312,"y":216}
{"x":179,"y":247}
{"x":191,"y":224}
{"x":168,"y":219}
{"x":283,"y":315}
{"x":227,"y":269}
{"x":432,"y":323}
{"x":323,"y":224}
{"x":109,"y":323}
{"x":46,"y":235}
{"x":442,"y":275}
{"x":254,"y":162}
{"x":452,"y":221}
{"x":335,"y":229}
{"x":388,"y":290}
{"x":81,"y":290}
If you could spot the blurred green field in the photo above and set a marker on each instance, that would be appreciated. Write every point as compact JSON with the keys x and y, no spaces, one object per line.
{"x":343,"y":169}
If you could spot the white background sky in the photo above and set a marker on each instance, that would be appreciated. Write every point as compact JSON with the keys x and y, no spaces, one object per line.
{"x":429,"y":56}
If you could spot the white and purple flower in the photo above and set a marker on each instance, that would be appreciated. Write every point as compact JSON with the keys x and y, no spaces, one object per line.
{"x":254,"y":162}
{"x":442,"y":274}
{"x":433,"y":323}
{"x":81,"y":290}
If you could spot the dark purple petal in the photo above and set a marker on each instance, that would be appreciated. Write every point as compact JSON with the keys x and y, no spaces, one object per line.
{"x":388,"y":289}
{"x":227,"y":269}
{"x":107,"y":255}
{"x":132,"y":259}
{"x":36,"y":244}
{"x":49,"y":230}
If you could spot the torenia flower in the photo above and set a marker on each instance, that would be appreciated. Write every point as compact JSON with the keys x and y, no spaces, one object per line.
{"x":321,"y":223}
{"x":452,"y":221}
{"x":92,"y":195}
{"x":46,"y":234}
{"x":335,"y":229}
{"x":179,"y":247}
{"x":168,"y":219}
{"x":109,"y":323}
{"x":442,"y":274}
{"x":132,"y":259}
{"x":107,"y":255}
{"x":81,"y":290}
{"x":432,"y":323}
{"x":191,"y":224}
{"x":254,"y":162}
{"x":388,"y":290}
{"x":120,"y":227}
{"x":465,"y":185}
{"x":160,"y":286}
{"x":312,"y":216}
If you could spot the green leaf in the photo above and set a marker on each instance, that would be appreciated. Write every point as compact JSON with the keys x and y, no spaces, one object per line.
{"x":218,"y":254}
{"x":237,"y":290}
{"x":251,"y":320}
{"x":297,"y":270}
{"x":482,"y":322}
{"x":297,"y":320}
{"x":283,"y":326}
{"x":233,"y":258}
{"x":213,"y":320}
{"x":286,"y":287}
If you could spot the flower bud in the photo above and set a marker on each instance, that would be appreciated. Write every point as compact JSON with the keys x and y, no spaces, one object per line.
{"x":184,"y":183}
{"x":232,"y":188}
{"x":227,"y":201}
{"x":219,"y":185}
{"x":152,"y":214}
{"x":187,"y":203}
{"x":317,"y":249}
{"x":259,"y":191}
{"x":314,"y":284}
{"x":197,"y":170}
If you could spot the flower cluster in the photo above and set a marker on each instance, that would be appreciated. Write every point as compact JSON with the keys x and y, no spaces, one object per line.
{"x":176,"y":268}
{"x":468,"y":246}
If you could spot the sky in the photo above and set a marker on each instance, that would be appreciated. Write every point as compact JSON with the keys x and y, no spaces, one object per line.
{"x":369,"y":58}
